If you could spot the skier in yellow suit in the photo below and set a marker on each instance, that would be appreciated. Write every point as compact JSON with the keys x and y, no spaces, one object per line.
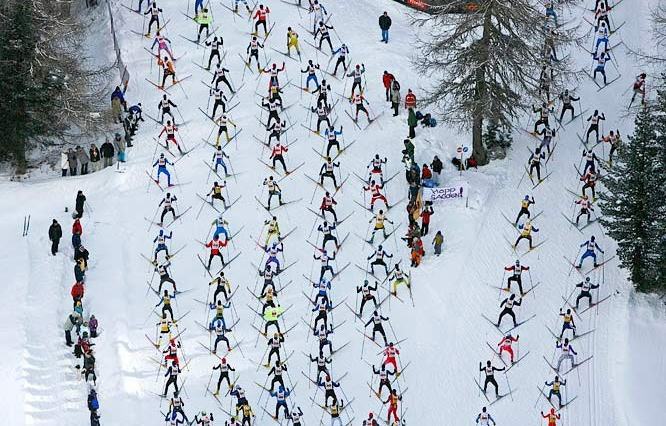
{"x":292,"y":41}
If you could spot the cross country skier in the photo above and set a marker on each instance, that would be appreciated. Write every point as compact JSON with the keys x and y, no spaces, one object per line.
{"x":223,"y":286}
{"x":328,"y":170}
{"x":215,"y":193}
{"x":269,"y":299}
{"x":276,"y":129}
{"x":544,"y":112}
{"x":585,"y":287}
{"x":567,"y":353}
{"x":327,"y":229}
{"x":274,"y":71}
{"x":552,"y":417}
{"x":601,"y":15}
{"x":170,"y":131}
{"x":398,"y":278}
{"x":590,"y":178}
{"x":253,"y":52}
{"x":322,"y":308}
{"x":590,"y":160}
{"x":516,"y":276}
{"x":172,"y":372}
{"x":323,"y":286}
{"x":171,"y":351}
{"x":526,"y":230}
{"x":248,"y":415}
{"x":329,"y":388}
{"x":508,"y":305}
{"x":220,"y":100}
{"x":505,"y":345}
{"x":489,"y":371}
{"x":168,"y":201}
{"x":321,"y":361}
{"x":224,"y":368}
{"x":566,"y":99}
{"x":548,"y":135}
{"x":140,"y":3}
{"x":311,"y":71}
{"x":276,"y":372}
{"x":327,"y":204}
{"x":357,"y":74}
{"x":331,"y":136}
{"x":160,"y":239}
{"x":358,"y":100}
{"x":218,"y":159}
{"x":292,"y":41}
{"x":393,"y":405}
{"x":239,"y":393}
{"x":322,"y":31}
{"x":204,"y":19}
{"x":203,"y":418}
{"x":376,"y":195}
{"x":281,"y":401}
{"x":555,"y":389}
{"x":535,"y":163}
{"x":384,"y":379}
{"x":165,"y":329}
{"x":154,"y":12}
{"x":166,"y":300}
{"x":218,"y":319}
{"x":484,"y":418}
{"x":601,"y":65}
{"x":322,"y":336}
{"x":390,"y":352}
{"x":273,"y":255}
{"x":278,"y":155}
{"x":318,"y":11}
{"x":271,"y":317}
{"x":176,"y":405}
{"x":324,"y":88}
{"x":273,"y":189}
{"x":161,"y":42}
{"x":614,"y":139}
{"x":376,"y":164}
{"x":273,"y":229}
{"x":377,"y":326}
{"x":272,"y":105}
{"x":261,"y":15}
{"x":168,"y":70}
{"x":222,"y":123}
{"x":639,"y":88}
{"x":524,"y":208}
{"x":164,"y":106}
{"x":162,"y":270}
{"x":568,"y":323}
{"x":601,"y":37}
{"x":325,"y":258}
{"x":342,"y":53}
{"x":249,"y":11}
{"x":215,"y":245}
{"x":590,"y":251}
{"x":366,"y":295}
{"x":295,"y":416}
{"x":322,"y":115}
{"x":215,"y":46}
{"x":585,"y":208}
{"x":267,"y":274}
{"x":379,"y":224}
{"x":161,"y":164}
{"x":220,"y":74}
{"x":379,"y":256}
{"x":335,"y":411}
{"x":370,"y":421}
{"x":274,"y":345}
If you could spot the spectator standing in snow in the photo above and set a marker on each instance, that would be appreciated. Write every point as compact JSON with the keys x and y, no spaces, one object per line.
{"x":64,"y":162}
{"x":387,"y":79}
{"x":55,"y":234}
{"x":412,"y":123}
{"x":120,"y":147}
{"x":73,"y":162}
{"x":107,"y":152}
{"x":83,"y":159}
{"x":395,"y":96}
{"x":94,"y":157}
{"x":436,"y":167}
{"x":385,"y":24}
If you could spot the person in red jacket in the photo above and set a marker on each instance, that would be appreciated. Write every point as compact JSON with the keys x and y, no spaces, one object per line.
{"x":260,"y":15}
{"x":215,"y":245}
{"x":425,"y":218}
{"x":387,"y":79}
{"x":410,"y":99}
{"x":552,"y":417}
{"x":76,"y":227}
{"x":77,"y":292}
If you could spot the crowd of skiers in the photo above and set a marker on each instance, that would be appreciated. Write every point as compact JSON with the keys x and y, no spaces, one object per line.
{"x":80,"y":328}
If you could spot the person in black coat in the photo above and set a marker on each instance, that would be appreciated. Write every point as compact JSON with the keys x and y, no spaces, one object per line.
{"x":81,"y":253}
{"x":55,"y":234}
{"x":385,"y":24}
{"x":80,"y":200}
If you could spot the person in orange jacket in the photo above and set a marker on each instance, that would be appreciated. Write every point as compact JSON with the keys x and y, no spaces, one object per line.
{"x":410,"y":99}
{"x":387,"y":79}
{"x":417,"y":251}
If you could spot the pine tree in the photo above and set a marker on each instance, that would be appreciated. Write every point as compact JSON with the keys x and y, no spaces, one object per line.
{"x":630,"y":208}
{"x":484,"y":65}
{"x":496,"y":140}
{"x":659,"y":176}
{"x":49,"y":92}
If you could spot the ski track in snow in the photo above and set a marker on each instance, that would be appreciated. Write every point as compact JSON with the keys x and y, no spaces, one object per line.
{"x":446,"y":335}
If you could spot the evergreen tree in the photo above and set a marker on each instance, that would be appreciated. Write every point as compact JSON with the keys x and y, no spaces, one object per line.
{"x":49,"y":94}
{"x":630,"y":208}
{"x":659,"y":176}
{"x":485,"y":64}
{"x":496,"y":140}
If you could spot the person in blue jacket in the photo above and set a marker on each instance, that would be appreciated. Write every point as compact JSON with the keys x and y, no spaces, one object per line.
{"x":161,"y":164}
{"x":281,"y":394}
{"x":590,"y":251}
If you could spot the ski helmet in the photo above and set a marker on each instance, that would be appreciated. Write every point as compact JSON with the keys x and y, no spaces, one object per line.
{"x":224,"y":360}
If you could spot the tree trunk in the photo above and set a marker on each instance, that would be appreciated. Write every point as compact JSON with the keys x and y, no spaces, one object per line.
{"x":478,"y":150}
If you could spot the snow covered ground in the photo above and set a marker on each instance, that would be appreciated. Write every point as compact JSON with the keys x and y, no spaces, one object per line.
{"x":446,"y":334}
